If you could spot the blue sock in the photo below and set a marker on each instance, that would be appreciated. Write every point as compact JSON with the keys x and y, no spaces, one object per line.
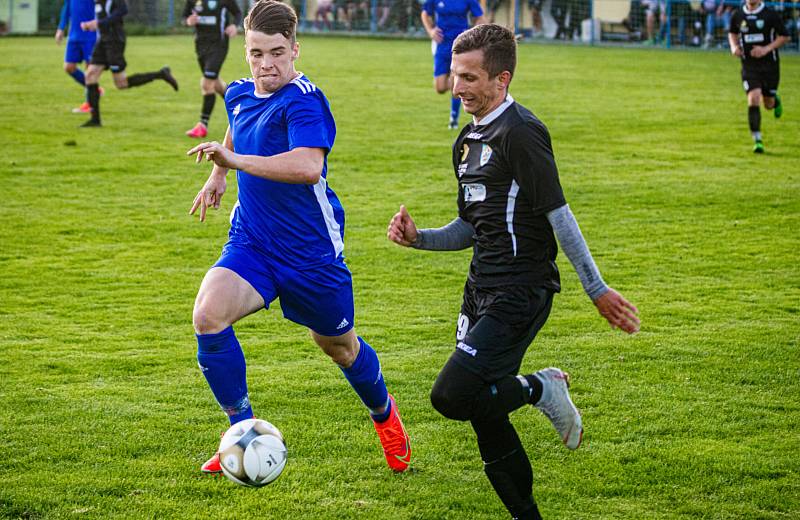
{"x":222,"y":362}
{"x":366,"y":378}
{"x":455,"y":108}
{"x":78,"y":76}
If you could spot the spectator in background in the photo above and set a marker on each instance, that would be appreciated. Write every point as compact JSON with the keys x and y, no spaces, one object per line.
{"x":558,"y":9}
{"x":324,"y":10}
{"x":536,"y":18}
{"x":655,"y":8}
{"x":383,"y":12}
{"x":491,"y":9}
{"x":716,"y":15}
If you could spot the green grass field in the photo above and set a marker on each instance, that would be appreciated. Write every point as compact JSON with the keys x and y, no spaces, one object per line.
{"x":103,"y":412}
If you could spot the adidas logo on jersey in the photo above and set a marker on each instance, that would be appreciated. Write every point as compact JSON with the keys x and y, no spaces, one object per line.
{"x":236,"y":109}
{"x":343,"y":324}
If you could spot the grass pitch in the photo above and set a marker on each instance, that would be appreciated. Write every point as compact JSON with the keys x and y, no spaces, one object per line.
{"x":103,"y":412}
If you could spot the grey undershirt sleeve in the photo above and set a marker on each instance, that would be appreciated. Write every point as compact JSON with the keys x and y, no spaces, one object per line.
{"x":455,"y":236}
{"x":574,"y":246}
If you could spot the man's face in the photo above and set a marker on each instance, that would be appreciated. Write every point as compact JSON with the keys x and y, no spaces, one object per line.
{"x":479,"y":93}
{"x":271,"y":59}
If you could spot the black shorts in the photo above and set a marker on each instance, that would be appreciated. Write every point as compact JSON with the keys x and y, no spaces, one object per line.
{"x":496,"y":326}
{"x":211,"y":56}
{"x":764,"y":77}
{"x":109,"y":54}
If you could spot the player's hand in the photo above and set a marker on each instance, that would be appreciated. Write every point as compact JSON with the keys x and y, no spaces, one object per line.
{"x":90,"y":25}
{"x":737,"y":51}
{"x":436,"y":35}
{"x":758,"y":51}
{"x":192,"y":19}
{"x":59,"y":36}
{"x":231,"y":31}
{"x":619,"y":312}
{"x":402,"y":229}
{"x":210,"y":195}
{"x":214,"y":151}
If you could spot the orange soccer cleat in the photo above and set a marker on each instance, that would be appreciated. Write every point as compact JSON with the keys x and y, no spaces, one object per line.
{"x":85,"y":108}
{"x":199,"y":131}
{"x":212,"y":465}
{"x":394,"y":439}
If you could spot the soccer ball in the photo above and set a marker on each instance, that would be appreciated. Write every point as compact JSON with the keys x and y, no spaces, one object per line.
{"x":252,"y":453}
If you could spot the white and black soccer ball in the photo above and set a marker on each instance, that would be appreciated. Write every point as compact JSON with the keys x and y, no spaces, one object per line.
{"x":252,"y":453}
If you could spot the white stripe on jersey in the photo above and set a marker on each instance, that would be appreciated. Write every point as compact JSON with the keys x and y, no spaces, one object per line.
{"x":304,"y":85}
{"x":510,"y":205}
{"x":233,"y":211}
{"x":327,"y":213}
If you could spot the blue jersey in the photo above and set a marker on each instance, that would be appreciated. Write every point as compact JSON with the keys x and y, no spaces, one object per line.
{"x":452,"y":15}
{"x":302,"y":225}
{"x":73,"y":13}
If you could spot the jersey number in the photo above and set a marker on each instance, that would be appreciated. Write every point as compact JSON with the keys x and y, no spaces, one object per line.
{"x":463,"y":327}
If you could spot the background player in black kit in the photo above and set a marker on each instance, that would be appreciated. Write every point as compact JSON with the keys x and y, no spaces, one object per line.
{"x":214,"y":22}
{"x":756,"y":34}
{"x":510,"y":203}
{"x":109,"y":53}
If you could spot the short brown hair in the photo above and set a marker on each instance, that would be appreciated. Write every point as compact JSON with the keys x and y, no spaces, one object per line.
{"x":497,"y":43}
{"x":271,"y":17}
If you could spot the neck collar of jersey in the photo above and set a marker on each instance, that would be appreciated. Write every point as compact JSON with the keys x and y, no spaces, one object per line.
{"x":754,"y":11}
{"x":268,"y":94}
{"x":494,"y":114}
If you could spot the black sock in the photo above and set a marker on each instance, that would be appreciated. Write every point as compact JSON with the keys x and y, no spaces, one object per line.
{"x":535,"y":388}
{"x":208,"y":107}
{"x":754,"y":118}
{"x":507,"y":467}
{"x":141,"y":79}
{"x":93,"y":96}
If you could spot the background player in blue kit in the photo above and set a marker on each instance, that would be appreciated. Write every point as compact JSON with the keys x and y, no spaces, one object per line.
{"x":444,"y":20}
{"x":80,"y":43}
{"x":287,"y":230}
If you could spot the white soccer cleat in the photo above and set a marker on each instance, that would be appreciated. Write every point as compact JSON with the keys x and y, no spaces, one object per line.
{"x":557,"y":406}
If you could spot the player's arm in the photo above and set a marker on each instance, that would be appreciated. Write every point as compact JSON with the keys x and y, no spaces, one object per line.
{"x":302,"y":165}
{"x":190,"y":17}
{"x":455,"y":236}
{"x":62,"y":22}
{"x":118,"y":12}
{"x":530,"y":154}
{"x":762,"y":50}
{"x":733,"y":36}
{"x":428,"y":22}
{"x":476,"y":10}
{"x":619,"y":312}
{"x":211,"y":193}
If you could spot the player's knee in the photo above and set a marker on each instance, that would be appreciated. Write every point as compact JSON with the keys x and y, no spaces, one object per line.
{"x":121,"y":83}
{"x":69,"y":68}
{"x":206,"y":321}
{"x":450,"y":401}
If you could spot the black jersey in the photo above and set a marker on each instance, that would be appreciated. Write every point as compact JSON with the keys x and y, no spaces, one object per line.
{"x":214,"y":16}
{"x":758,"y":27}
{"x":109,"y":14}
{"x":508,"y":181}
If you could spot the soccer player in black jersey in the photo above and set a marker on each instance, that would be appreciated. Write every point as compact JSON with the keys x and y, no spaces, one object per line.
{"x":756,"y":34}
{"x":511,"y":209}
{"x":109,"y":53}
{"x":214,"y":22}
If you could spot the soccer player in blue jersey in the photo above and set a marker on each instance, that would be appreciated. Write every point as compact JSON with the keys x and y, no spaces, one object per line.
{"x":287,"y":230}
{"x":444,"y":20}
{"x":80,"y":43}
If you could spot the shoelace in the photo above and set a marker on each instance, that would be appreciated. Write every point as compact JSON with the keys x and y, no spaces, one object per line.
{"x":392,"y":436}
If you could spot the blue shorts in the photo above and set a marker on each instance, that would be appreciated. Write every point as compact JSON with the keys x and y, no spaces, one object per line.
{"x":320,"y":298}
{"x":442,"y":54}
{"x":78,"y":51}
